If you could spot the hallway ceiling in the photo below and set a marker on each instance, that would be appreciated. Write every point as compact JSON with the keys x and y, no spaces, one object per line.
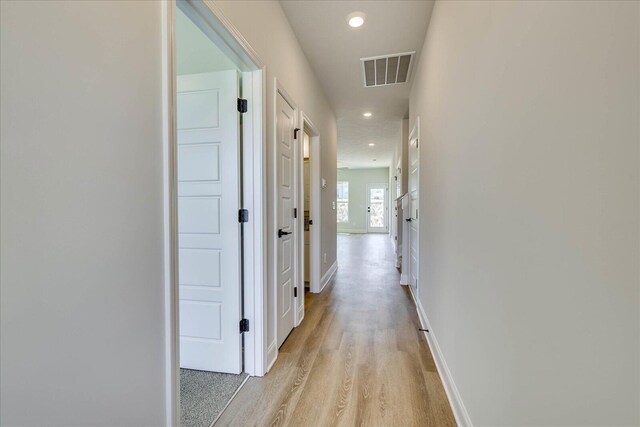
{"x":334,"y":50}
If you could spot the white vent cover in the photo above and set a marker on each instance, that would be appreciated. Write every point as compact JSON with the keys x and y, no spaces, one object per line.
{"x":387,"y":69}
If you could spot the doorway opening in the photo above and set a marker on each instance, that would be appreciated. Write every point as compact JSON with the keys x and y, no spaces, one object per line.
{"x":308,"y":222}
{"x":209,"y":175}
{"x":214,"y":212}
{"x":310,"y":196}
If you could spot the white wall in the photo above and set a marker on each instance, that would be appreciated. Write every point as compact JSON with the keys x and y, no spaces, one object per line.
{"x":81,"y":192}
{"x":529,"y":207}
{"x":81,"y":214}
{"x":264,"y":25}
{"x":358,"y":180}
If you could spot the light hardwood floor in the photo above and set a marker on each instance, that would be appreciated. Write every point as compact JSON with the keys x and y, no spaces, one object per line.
{"x":357,"y":359}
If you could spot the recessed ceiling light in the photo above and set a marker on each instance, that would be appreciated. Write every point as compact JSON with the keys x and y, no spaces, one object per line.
{"x":367,"y":114}
{"x":355,"y":19}
{"x":371,"y":144}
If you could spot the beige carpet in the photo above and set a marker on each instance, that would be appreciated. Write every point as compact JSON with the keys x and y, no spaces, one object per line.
{"x":203,"y":395}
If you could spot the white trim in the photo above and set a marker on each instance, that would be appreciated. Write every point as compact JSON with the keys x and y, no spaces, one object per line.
{"x":272,"y":354}
{"x":414,"y":134}
{"x":170,"y":225}
{"x":404,"y":279}
{"x":254,"y":243}
{"x":455,"y":400}
{"x":208,"y":16}
{"x":328,"y":275}
{"x":300,"y":310}
{"x":353,"y":231}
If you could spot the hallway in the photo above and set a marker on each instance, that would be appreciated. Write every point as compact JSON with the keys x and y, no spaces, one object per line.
{"x":358,"y":357}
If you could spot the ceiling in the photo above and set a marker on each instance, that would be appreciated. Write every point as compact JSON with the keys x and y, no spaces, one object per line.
{"x":334,"y":50}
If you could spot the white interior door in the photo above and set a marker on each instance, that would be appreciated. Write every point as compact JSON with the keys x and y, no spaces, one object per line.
{"x":209,"y":232}
{"x":414,"y":182}
{"x":285,"y":281}
{"x":378,"y":208}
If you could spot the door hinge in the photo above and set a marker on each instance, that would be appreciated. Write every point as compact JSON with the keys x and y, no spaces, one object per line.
{"x":295,"y":133}
{"x":295,"y":292}
{"x":310,"y":222}
{"x":243,"y":215}
{"x":242,"y":105}
{"x":295,"y":212}
{"x":244,"y":325}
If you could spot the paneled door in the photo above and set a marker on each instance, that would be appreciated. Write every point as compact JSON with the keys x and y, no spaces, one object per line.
{"x":377,"y":208}
{"x":208,"y":228}
{"x":414,"y":183}
{"x":285,"y":281}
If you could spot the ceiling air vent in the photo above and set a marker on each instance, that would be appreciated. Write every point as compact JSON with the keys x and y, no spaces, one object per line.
{"x":387,"y":69}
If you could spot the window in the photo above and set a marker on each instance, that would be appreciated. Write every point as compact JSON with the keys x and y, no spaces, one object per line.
{"x":343,"y":201}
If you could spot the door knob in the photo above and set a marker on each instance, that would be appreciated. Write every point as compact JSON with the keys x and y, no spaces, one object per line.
{"x":408,"y":219}
{"x":283,"y":233}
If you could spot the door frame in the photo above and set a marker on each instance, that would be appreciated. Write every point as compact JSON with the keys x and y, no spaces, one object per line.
{"x":386,"y":207}
{"x":314,"y":209}
{"x":414,"y":135}
{"x":208,"y":17}
{"x":278,"y":88}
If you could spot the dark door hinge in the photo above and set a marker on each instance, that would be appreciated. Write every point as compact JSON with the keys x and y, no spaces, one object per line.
{"x":242,"y":105}
{"x":295,"y":212}
{"x":243,"y":215}
{"x":295,"y":133}
{"x":310,"y":222}
{"x":244,"y":325}
{"x":295,"y":292}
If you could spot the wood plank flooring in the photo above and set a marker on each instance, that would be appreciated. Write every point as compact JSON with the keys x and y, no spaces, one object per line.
{"x":357,"y":359}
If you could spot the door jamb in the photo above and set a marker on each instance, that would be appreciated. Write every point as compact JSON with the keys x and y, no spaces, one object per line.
{"x":207,"y":15}
{"x":314,"y":208}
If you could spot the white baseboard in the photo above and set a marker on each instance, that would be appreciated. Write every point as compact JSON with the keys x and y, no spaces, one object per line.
{"x":300,"y":314}
{"x":272,"y":355}
{"x":455,"y":400}
{"x":328,"y":275}
{"x":404,"y":280}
